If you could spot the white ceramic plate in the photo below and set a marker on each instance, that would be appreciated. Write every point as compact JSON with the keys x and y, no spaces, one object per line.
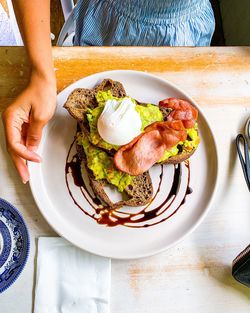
{"x":49,"y":188}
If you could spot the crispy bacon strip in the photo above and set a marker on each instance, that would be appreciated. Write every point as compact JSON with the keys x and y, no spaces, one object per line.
{"x":171,"y":132}
{"x":146,"y":149}
{"x":182,"y":110}
{"x":140,"y":154}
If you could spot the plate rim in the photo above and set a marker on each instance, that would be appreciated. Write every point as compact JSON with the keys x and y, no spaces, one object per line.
{"x":207,"y":207}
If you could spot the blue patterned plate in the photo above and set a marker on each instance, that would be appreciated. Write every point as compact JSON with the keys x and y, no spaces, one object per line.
{"x":14,"y":244}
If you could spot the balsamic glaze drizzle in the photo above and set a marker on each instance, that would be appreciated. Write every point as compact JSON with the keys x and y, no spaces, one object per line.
{"x":106,"y":216}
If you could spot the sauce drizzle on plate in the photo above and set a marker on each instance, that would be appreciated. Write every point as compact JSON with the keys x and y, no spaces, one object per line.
{"x":114,"y":217}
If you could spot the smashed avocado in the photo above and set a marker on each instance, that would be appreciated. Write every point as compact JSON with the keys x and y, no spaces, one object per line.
{"x":103,"y":96}
{"x":193,"y":138}
{"x":149,"y":114}
{"x":188,"y":145}
{"x":169,"y":153}
{"x":102,"y":165}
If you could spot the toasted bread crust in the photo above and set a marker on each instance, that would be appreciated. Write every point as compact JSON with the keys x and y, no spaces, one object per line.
{"x":81,"y":99}
{"x":115,"y":87}
{"x":180,"y":157}
{"x":143,"y":194}
{"x":140,"y":193}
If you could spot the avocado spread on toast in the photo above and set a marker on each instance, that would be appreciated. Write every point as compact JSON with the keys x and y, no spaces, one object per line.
{"x":149,"y":114}
{"x":102,"y":165}
{"x":189,"y":144}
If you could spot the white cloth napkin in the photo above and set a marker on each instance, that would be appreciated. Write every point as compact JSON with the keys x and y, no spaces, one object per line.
{"x":70,"y":280}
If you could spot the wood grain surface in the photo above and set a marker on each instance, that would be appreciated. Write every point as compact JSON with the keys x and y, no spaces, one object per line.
{"x":195,"y":275}
{"x":204,"y":73}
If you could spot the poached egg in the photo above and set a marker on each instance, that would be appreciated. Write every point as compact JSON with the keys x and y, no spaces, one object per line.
{"x":119,"y":122}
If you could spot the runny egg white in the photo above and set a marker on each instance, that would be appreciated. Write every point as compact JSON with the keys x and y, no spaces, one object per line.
{"x":119,"y":122}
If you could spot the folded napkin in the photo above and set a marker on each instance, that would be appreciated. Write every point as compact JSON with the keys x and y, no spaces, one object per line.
{"x":70,"y":280}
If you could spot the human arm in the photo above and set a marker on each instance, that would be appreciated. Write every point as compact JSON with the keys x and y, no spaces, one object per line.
{"x":25,"y":118}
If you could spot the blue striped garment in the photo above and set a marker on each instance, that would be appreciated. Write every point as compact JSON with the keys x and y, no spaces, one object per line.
{"x":143,"y":23}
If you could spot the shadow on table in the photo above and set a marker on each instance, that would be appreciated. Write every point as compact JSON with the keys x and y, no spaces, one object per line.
{"x":215,"y":267}
{"x":224,"y":277}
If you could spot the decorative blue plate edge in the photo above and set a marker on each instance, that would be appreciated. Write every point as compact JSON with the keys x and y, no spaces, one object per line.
{"x":28,"y":245}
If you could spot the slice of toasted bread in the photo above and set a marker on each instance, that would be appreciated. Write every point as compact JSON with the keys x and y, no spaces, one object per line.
{"x":180,"y":157}
{"x":115,"y":87}
{"x":138,"y":194}
{"x":81,"y":99}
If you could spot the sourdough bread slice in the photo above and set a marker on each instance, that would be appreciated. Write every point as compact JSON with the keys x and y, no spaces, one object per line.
{"x":180,"y":157}
{"x":77,"y":104}
{"x":115,"y":87}
{"x":81,"y":99}
{"x":137,"y":194}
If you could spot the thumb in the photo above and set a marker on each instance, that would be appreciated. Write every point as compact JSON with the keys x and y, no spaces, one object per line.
{"x":34,"y":133}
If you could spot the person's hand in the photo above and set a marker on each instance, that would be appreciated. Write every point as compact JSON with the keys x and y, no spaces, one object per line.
{"x":25,"y":118}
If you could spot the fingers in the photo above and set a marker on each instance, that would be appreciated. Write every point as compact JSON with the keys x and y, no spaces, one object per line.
{"x":21,"y":167}
{"x":16,"y":132}
{"x":13,"y":128}
{"x":23,"y":152}
{"x":24,"y":120}
{"x":34,"y":133}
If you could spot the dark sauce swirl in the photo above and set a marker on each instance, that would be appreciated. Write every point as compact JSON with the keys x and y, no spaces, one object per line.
{"x":104,"y":215}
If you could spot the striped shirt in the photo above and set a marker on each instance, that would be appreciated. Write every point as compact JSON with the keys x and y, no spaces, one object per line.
{"x":143,"y":23}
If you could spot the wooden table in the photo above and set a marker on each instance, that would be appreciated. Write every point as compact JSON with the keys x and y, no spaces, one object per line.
{"x":195,"y":275}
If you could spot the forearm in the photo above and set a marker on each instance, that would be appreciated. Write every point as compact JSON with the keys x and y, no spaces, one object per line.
{"x":33,"y":17}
